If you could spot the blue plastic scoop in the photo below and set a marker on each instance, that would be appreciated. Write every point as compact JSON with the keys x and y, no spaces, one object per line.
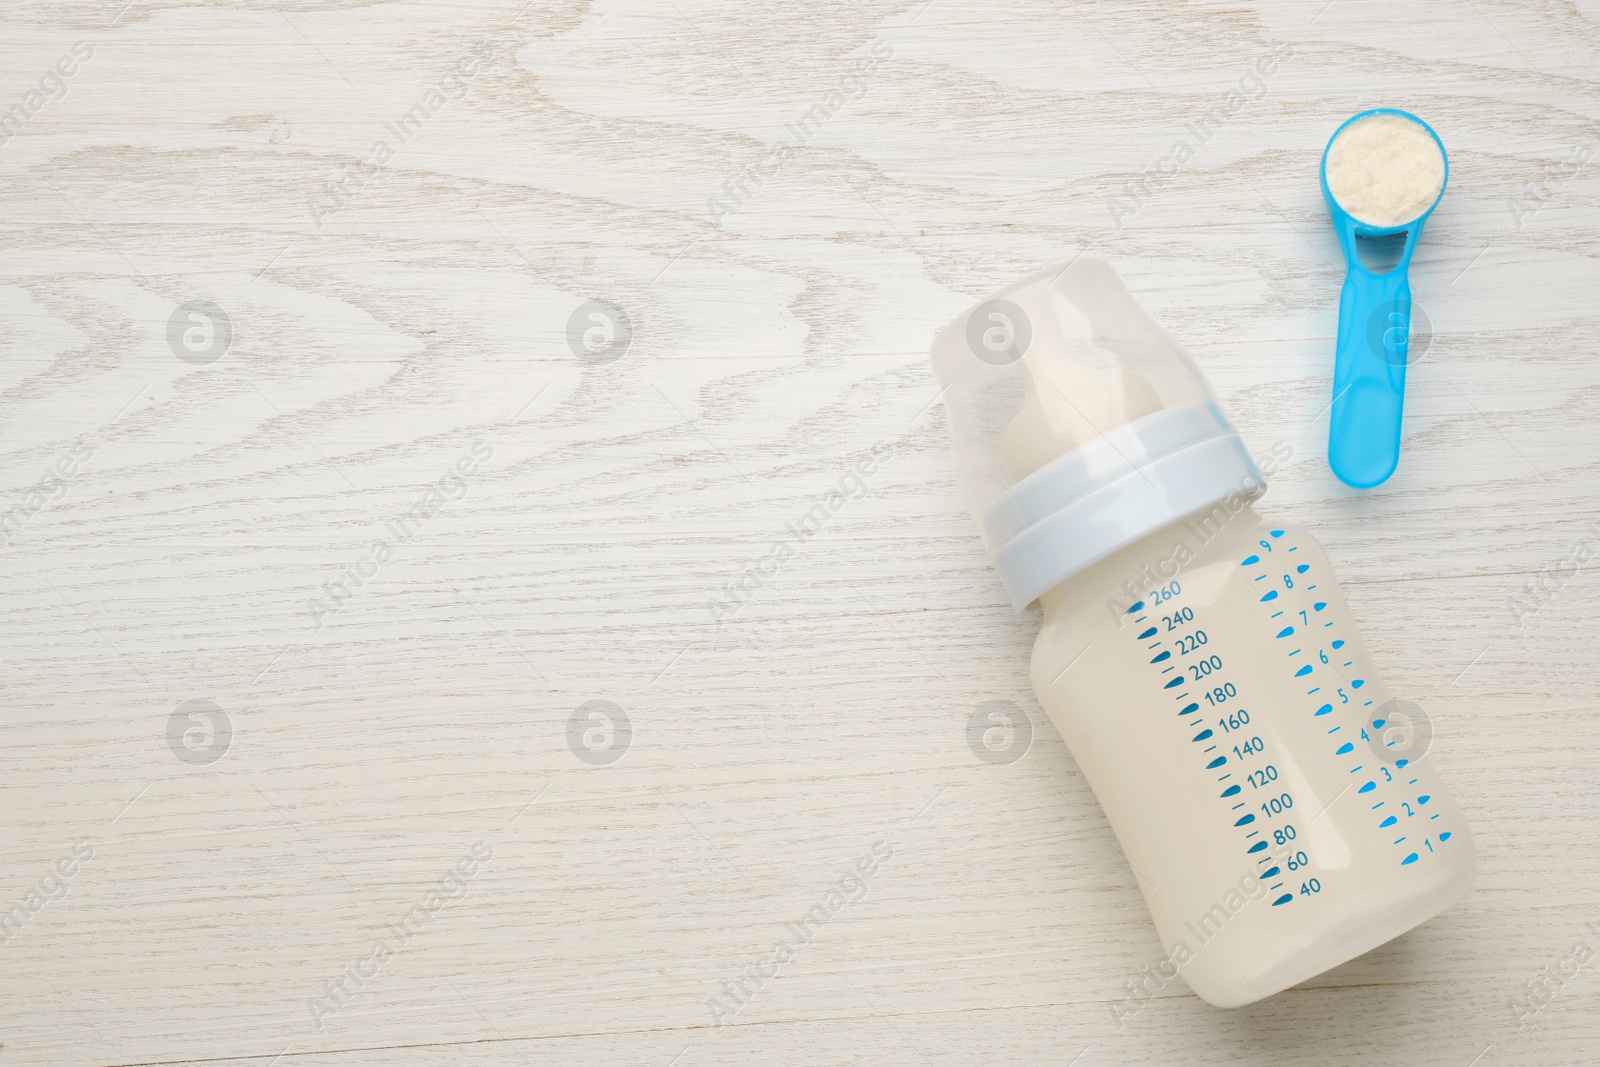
{"x":1369,"y":371}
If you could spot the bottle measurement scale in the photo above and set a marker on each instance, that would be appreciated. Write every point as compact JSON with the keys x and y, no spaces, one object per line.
{"x":1214,"y":713}
{"x":1211,"y":710}
{"x":1288,"y":586}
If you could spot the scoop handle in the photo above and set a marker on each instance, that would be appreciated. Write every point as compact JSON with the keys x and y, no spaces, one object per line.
{"x":1369,"y":370}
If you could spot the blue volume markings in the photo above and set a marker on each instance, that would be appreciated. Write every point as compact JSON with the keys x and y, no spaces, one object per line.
{"x":1338,"y":644}
{"x":1189,"y":709}
{"x":1302,"y":568}
{"x":1358,"y":683}
{"x":1270,"y":596}
{"x":1162,"y":657}
{"x":1276,"y":533}
{"x":1409,"y":859}
{"x":1148,"y":633}
{"x":1369,"y":787}
{"x":1245,"y":820}
{"x":1442,"y":837}
{"x":1214,"y":764}
{"x":1390,"y":821}
{"x":1174,"y":683}
{"x":1303,"y":671}
{"x":1424,"y":798}
{"x":1324,"y":709}
{"x":1319,"y":605}
{"x":1201,"y":736}
{"x":1282,"y":900}
{"x":1345,"y":749}
{"x":1286,"y":631}
{"x":1257,"y":847}
{"x":1233,"y":791}
{"x":1249,"y":560}
{"x":1271,"y":872}
{"x":1137,"y":607}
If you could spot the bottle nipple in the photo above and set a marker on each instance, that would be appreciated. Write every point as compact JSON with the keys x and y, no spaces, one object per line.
{"x":1068,"y":404}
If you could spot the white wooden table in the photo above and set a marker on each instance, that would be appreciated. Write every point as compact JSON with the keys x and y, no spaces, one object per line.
{"x":242,"y":517}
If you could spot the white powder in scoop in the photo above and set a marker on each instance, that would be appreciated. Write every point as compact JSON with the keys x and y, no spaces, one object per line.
{"x":1384,"y":170}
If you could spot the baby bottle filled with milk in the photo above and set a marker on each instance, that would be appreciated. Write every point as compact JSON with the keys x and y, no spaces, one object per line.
{"x":1197,"y":657}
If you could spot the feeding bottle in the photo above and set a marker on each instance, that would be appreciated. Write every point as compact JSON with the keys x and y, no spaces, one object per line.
{"x":1198,"y":658}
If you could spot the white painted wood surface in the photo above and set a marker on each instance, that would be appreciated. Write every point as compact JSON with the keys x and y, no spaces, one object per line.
{"x":187,"y":159}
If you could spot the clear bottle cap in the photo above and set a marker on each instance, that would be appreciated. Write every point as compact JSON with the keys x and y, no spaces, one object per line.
{"x":1079,"y":425}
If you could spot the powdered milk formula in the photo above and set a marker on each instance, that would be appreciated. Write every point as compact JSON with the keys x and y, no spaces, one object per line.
{"x":1385,"y":170}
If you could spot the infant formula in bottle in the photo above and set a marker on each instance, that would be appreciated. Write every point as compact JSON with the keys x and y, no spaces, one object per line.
{"x":1198,"y":659}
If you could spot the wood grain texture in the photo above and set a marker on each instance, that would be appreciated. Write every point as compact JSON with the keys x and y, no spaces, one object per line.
{"x":386,"y":316}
